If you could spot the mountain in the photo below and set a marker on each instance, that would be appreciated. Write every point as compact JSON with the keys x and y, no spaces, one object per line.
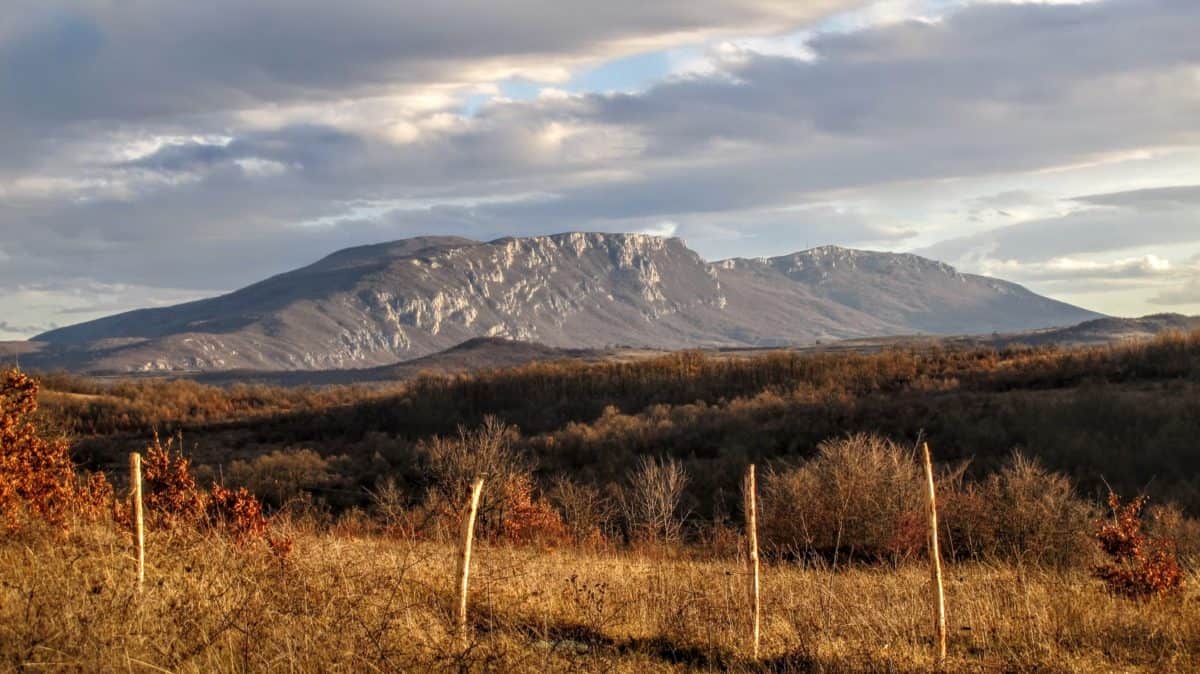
{"x":376,"y":305}
{"x":473,"y":355}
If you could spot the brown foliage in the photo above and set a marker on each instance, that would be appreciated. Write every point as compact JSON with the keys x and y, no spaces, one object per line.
{"x":529,"y":519}
{"x":173,"y":500}
{"x":37,"y":476}
{"x":510,"y":509}
{"x":1020,"y":511}
{"x":859,"y":498}
{"x":1140,"y":567}
{"x":169,"y":491}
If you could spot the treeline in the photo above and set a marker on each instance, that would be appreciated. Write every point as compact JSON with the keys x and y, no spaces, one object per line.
{"x":544,"y":396}
{"x":1125,"y":415}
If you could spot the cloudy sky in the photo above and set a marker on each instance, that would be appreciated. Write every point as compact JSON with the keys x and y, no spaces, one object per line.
{"x":152,"y":152}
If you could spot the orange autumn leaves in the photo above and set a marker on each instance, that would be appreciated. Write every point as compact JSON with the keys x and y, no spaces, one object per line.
{"x":38,"y":482}
{"x":37,"y":477}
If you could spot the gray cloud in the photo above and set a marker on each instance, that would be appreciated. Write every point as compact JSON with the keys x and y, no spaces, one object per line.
{"x":98,"y":61}
{"x":744,"y":159}
{"x":1120,"y":220}
{"x":6,"y":327}
{"x":1187,"y":293}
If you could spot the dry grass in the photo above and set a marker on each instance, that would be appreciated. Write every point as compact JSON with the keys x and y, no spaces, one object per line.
{"x":340,"y":604}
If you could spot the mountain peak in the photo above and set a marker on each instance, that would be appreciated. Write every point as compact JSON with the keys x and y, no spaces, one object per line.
{"x":389,"y":250}
{"x":375,"y":305}
{"x":830,"y":257}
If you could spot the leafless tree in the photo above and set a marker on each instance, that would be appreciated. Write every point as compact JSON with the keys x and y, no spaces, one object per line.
{"x":651,"y":503}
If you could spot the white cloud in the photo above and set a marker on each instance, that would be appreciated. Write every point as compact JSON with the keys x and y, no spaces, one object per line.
{"x":173,"y":163}
{"x":1063,"y":268}
{"x":665,"y":228}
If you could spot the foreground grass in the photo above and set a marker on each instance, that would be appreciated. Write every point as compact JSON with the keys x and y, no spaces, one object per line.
{"x":340,"y":604}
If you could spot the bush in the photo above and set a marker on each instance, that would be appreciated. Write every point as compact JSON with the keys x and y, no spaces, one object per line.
{"x":586,"y":511}
{"x":1021,"y":511}
{"x":283,"y":475}
{"x":172,"y":500}
{"x":509,"y":508}
{"x":860,"y":497}
{"x":1169,"y":522}
{"x":1140,"y":567}
{"x":37,"y":476}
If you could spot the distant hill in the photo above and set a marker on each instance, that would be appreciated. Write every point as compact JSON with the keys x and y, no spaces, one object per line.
{"x":376,"y":305}
{"x":480,"y":353}
{"x":1107,"y":330}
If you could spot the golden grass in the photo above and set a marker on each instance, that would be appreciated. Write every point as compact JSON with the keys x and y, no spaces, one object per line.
{"x":341,"y":604}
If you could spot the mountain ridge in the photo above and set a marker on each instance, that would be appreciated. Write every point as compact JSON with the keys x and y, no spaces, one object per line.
{"x":375,"y":305}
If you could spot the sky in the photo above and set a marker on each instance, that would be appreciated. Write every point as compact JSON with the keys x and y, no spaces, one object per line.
{"x":157,"y":152}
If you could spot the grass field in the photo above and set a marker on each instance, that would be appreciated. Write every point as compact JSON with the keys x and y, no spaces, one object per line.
{"x":341,"y":603}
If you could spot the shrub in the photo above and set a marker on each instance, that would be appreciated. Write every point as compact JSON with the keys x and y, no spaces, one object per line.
{"x":1169,"y":522}
{"x":283,"y":475}
{"x":37,"y":476}
{"x":1020,"y":511}
{"x":170,"y":495}
{"x":860,"y":497}
{"x":525,"y":518}
{"x":1139,"y":567}
{"x":585,"y":510}
{"x":172,"y":500}
{"x":509,"y":508}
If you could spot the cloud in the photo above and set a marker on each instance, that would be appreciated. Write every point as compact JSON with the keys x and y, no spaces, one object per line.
{"x":1187,"y":293}
{"x":90,"y":61}
{"x":1161,"y":198}
{"x":45,"y":306}
{"x":666,"y":228}
{"x":1184,"y":293}
{"x":19,"y":331}
{"x":181,"y":144}
{"x":1066,"y":268}
{"x":1101,"y":223}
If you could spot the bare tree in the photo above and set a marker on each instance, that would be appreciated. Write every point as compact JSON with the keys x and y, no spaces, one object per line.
{"x":489,"y":451}
{"x":455,"y":462}
{"x":651,"y":503}
{"x":585,"y":509}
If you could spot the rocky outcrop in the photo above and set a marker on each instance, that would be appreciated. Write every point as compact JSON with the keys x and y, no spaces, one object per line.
{"x":376,"y":305}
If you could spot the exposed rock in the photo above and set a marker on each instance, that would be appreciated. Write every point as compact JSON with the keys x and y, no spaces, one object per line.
{"x":376,"y":305}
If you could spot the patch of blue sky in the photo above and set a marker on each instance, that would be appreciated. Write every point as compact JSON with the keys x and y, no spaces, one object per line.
{"x":471,"y":104}
{"x":638,"y":72}
{"x":627,"y":74}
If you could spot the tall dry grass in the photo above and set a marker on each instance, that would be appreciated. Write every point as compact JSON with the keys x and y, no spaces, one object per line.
{"x":376,"y":604}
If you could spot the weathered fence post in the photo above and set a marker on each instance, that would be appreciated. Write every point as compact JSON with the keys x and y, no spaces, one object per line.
{"x":749,"y":489}
{"x":464,"y":559}
{"x":139,"y":524}
{"x":935,"y":562}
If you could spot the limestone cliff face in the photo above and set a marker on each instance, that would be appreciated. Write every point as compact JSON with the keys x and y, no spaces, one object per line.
{"x":376,"y":305}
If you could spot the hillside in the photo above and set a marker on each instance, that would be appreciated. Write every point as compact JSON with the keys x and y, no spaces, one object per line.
{"x":480,"y":353}
{"x":376,"y":305}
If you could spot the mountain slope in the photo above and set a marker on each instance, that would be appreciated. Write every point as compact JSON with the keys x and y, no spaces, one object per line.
{"x":906,"y":293}
{"x":375,"y":305}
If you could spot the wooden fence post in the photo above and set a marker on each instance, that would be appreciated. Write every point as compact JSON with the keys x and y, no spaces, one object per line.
{"x":464,"y":559}
{"x":139,"y":523}
{"x":935,"y":562}
{"x":749,"y":491}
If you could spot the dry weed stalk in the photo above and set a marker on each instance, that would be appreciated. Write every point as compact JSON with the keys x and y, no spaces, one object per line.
{"x":464,"y":558}
{"x":751,"y":511}
{"x":935,"y":562}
